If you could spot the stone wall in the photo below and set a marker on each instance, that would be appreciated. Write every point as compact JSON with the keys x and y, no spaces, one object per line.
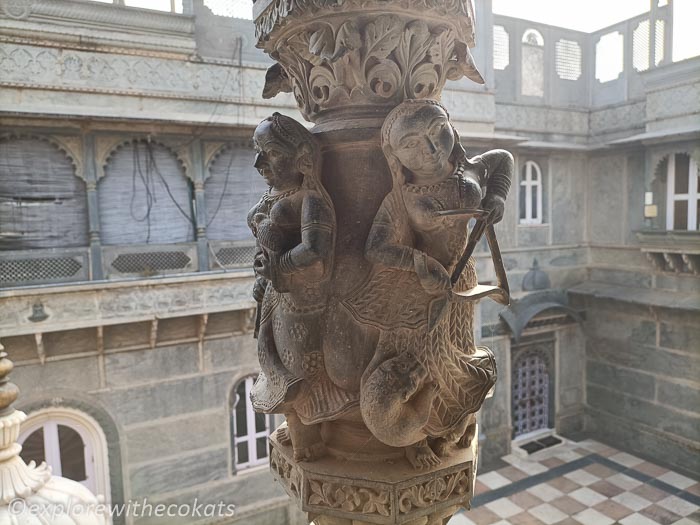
{"x":166,"y":419}
{"x":642,"y":371}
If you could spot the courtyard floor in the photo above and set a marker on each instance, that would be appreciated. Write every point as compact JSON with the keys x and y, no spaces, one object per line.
{"x":584,"y":483}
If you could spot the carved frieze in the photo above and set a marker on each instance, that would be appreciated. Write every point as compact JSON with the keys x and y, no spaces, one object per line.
{"x":27,"y":65}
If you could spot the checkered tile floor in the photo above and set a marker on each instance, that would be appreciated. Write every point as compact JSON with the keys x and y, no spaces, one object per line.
{"x":584,"y":483}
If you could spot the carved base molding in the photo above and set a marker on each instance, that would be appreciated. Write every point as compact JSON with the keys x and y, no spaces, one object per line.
{"x":335,"y":491}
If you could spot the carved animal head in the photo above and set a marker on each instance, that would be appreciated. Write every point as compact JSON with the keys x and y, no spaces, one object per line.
{"x":401,"y":377}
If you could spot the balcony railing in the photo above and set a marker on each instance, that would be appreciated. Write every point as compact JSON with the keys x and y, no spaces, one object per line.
{"x":71,"y":265}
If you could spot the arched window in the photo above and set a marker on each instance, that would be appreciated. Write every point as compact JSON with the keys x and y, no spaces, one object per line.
{"x":532,"y":67}
{"x":144,"y":197}
{"x":233,"y":187}
{"x":683,"y":197}
{"x":42,"y":203}
{"x":531,"y":194}
{"x":71,"y":443}
{"x":249,"y":429}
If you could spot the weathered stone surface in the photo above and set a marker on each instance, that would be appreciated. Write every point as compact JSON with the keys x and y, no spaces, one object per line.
{"x":679,"y":395}
{"x":136,"y":404}
{"x":229,"y":352}
{"x":652,"y":415}
{"x":621,"y":380}
{"x":143,"y":366}
{"x":680,"y":337}
{"x":682,"y":456}
{"x":185,"y":470}
{"x":81,"y":375}
{"x":645,"y":358}
{"x":174,"y":436}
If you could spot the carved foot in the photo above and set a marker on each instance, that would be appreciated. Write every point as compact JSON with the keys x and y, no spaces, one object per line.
{"x":306,"y":439}
{"x":310,"y":453}
{"x":441,"y":447}
{"x":421,"y":455}
{"x":466,"y":440}
{"x":283,"y":436}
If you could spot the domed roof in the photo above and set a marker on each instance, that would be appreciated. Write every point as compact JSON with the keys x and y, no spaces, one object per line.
{"x":536,"y":279}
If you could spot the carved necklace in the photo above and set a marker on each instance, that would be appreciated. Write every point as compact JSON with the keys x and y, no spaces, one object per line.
{"x":423,"y":189}
{"x":269,"y":200}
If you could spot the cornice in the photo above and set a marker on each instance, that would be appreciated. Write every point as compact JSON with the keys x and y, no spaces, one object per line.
{"x":109,"y":15}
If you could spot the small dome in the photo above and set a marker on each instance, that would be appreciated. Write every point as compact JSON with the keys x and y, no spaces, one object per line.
{"x":536,"y":279}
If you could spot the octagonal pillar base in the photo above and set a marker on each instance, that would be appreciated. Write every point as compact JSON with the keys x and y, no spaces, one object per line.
{"x":335,"y":491}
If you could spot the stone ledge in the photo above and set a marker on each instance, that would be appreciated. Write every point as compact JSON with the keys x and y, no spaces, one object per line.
{"x":641,"y":296}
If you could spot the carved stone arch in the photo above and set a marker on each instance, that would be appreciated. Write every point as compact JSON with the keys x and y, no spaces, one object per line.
{"x":657,"y":182}
{"x":50,"y":177}
{"x":659,"y":157}
{"x":533,"y":37}
{"x":108,"y":148}
{"x":214,"y":150}
{"x":69,"y":399}
{"x":71,"y":147}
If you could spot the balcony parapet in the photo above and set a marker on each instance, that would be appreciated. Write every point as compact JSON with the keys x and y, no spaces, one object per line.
{"x":94,"y":305}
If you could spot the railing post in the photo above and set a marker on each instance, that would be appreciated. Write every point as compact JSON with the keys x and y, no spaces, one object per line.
{"x":96,"y":273}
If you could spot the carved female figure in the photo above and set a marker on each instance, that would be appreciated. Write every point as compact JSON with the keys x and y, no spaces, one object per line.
{"x":294,"y":225}
{"x":416,"y":246}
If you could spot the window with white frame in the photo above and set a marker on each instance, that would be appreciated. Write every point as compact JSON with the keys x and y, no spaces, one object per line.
{"x":531,"y":194}
{"x":683,"y":200}
{"x":71,"y":443}
{"x":249,"y":429}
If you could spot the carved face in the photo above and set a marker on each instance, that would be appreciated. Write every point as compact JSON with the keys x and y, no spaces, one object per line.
{"x":275,"y":160}
{"x":422,"y":139}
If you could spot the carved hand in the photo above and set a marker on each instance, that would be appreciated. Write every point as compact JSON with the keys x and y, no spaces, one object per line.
{"x":259,"y":289}
{"x":433,"y":276}
{"x":261,"y":265}
{"x":495,"y":205}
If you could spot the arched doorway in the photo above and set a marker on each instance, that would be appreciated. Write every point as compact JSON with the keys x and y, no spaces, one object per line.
{"x":532,"y":388}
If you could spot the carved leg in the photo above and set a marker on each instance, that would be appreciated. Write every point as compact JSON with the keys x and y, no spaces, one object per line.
{"x":306,"y":439}
{"x":466,"y":440}
{"x":421,"y":455}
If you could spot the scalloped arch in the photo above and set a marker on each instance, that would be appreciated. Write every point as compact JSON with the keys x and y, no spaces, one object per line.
{"x":117,"y":144}
{"x":660,"y":156}
{"x":212,"y":156}
{"x":61,"y":145}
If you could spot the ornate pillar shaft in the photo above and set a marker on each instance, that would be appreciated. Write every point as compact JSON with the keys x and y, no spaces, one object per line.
{"x":365,"y":284}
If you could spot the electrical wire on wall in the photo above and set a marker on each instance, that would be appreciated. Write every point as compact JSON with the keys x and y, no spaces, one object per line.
{"x":146,"y":172}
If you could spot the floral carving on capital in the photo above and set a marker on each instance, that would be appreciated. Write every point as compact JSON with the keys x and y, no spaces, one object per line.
{"x":347,"y":61}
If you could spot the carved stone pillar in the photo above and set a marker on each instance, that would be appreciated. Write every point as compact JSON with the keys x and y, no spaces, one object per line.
{"x":365,"y":284}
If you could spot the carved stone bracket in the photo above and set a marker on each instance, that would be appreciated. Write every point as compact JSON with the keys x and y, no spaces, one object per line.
{"x":672,"y":251}
{"x":374,"y":493}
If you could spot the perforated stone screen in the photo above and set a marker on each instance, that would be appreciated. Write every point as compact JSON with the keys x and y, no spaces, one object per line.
{"x":501,"y":50}
{"x":568,"y":59}
{"x":640,"y":46}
